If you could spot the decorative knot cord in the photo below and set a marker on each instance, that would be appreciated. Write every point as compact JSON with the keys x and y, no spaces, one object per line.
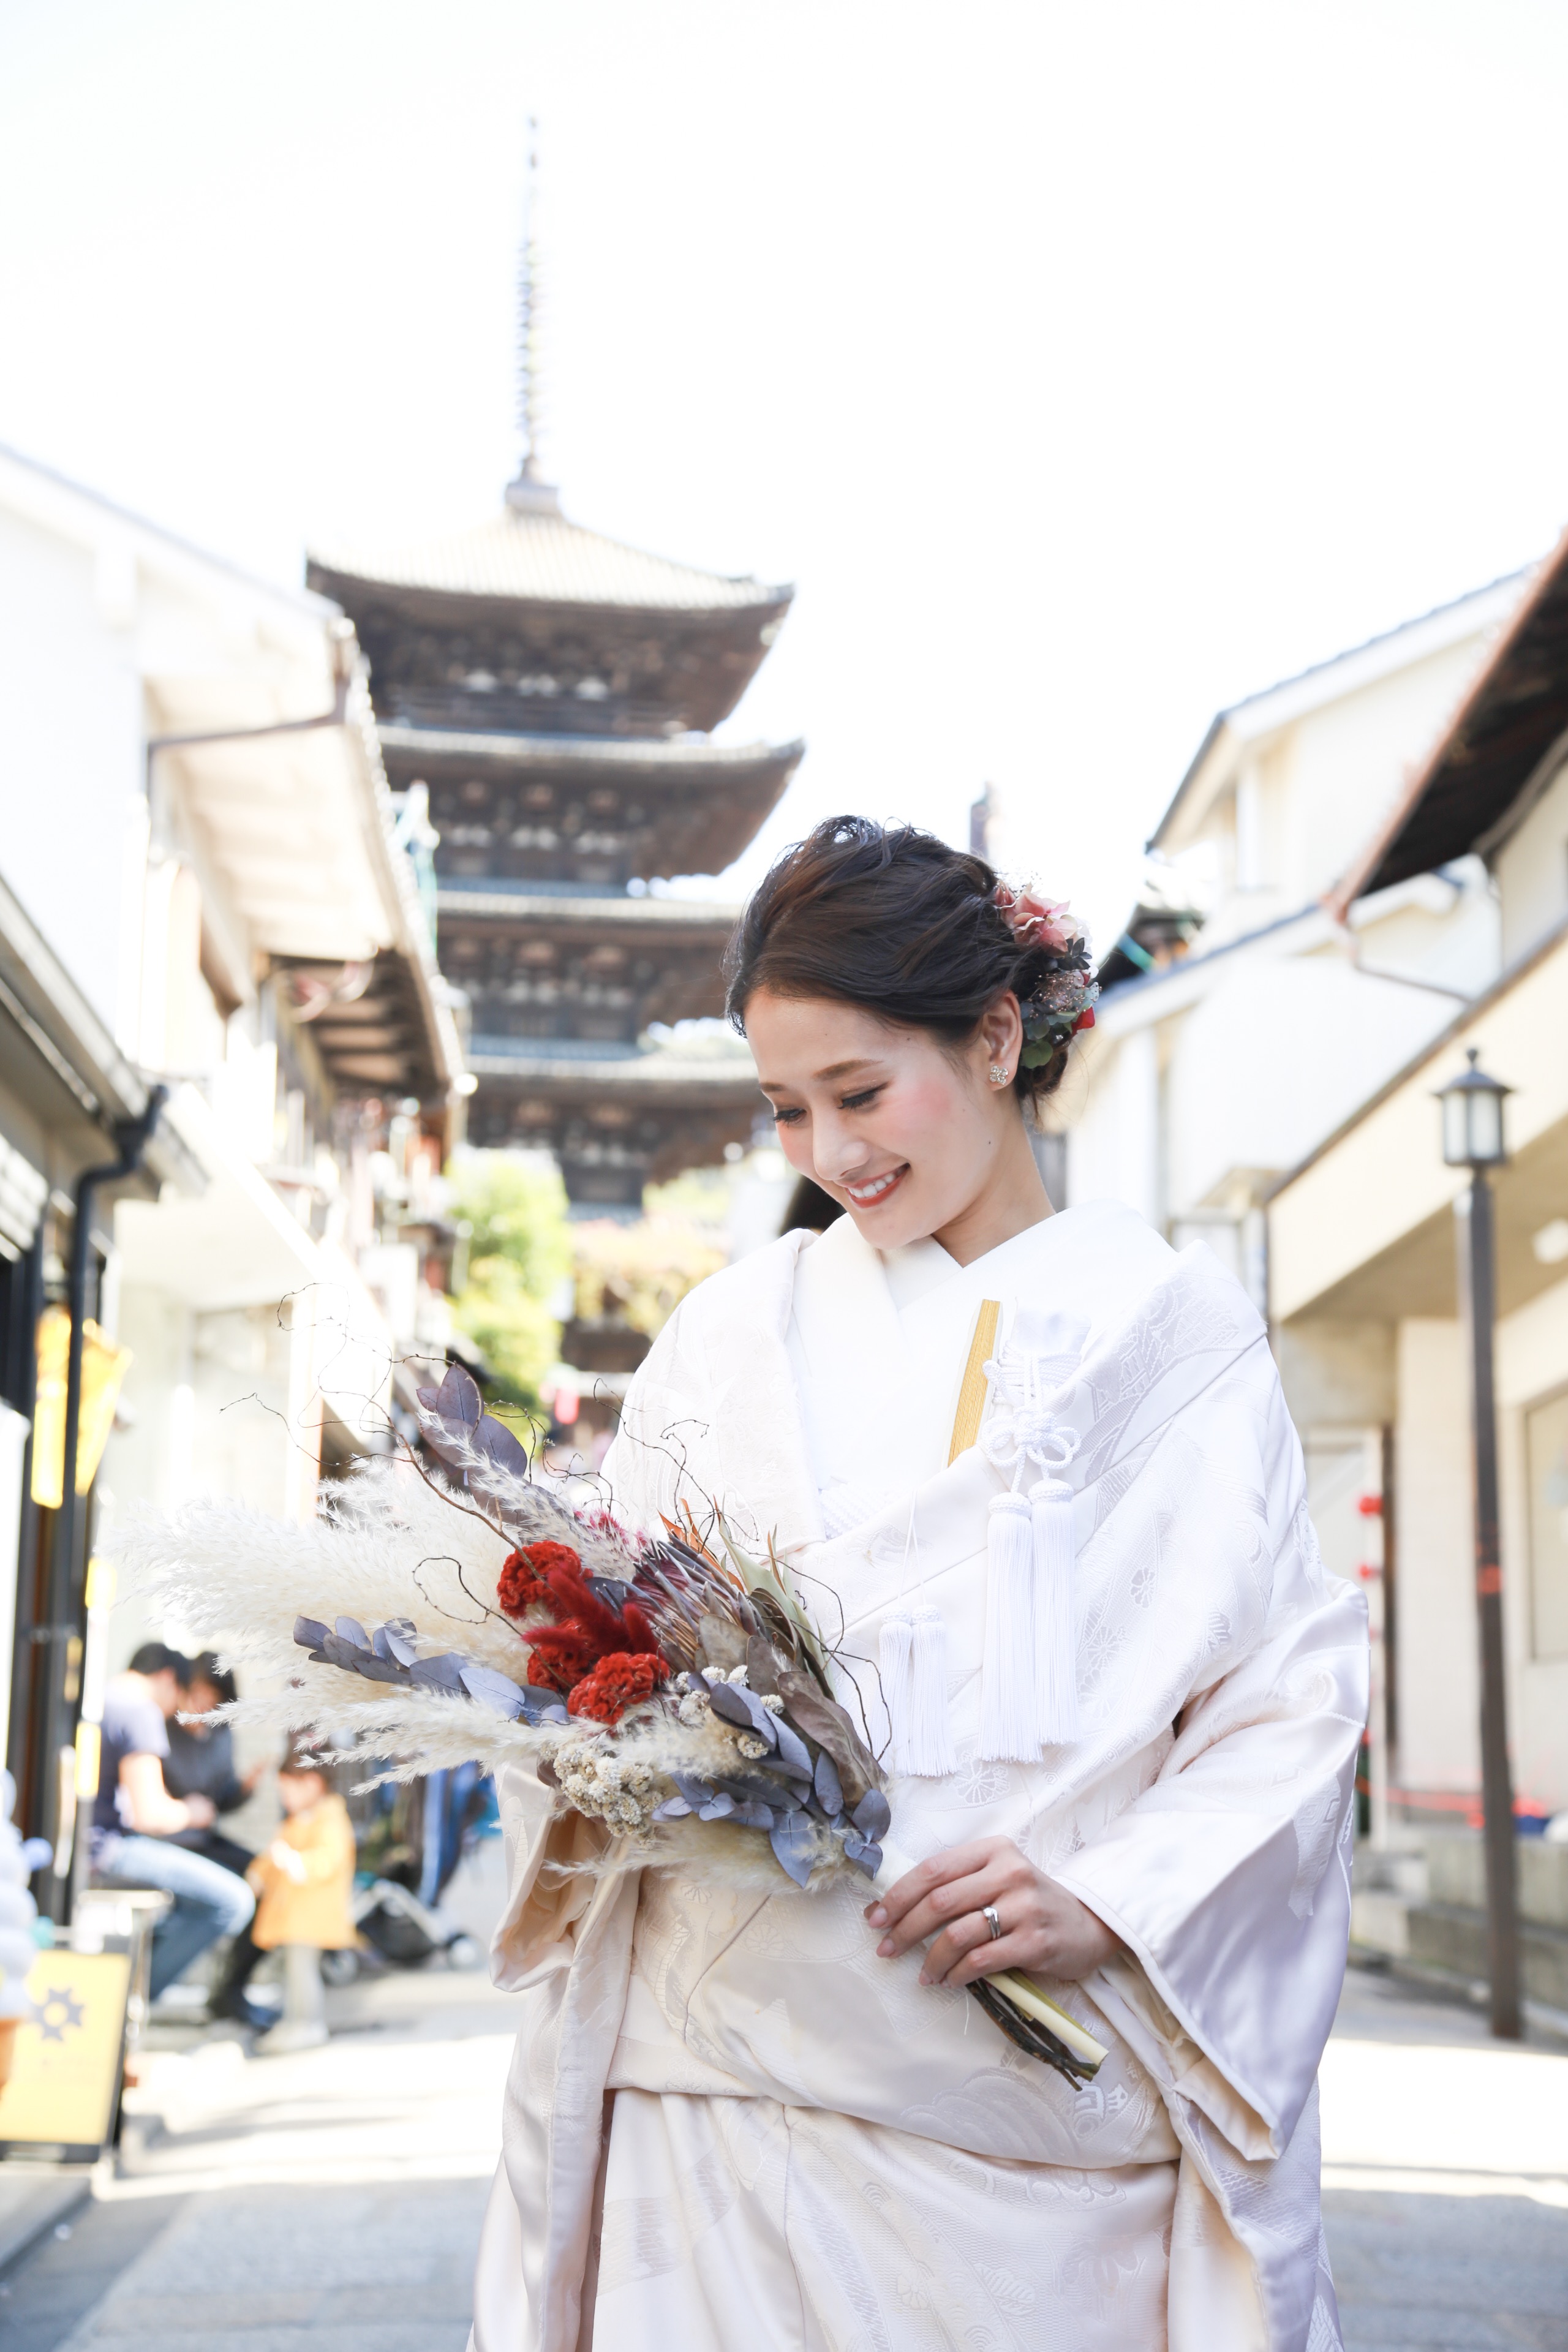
{"x":1028,"y":1690}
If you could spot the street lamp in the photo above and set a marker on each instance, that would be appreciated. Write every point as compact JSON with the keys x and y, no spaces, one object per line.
{"x":1473,"y":1138}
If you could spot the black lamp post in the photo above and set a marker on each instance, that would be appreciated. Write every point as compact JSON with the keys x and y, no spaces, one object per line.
{"x":1473,"y":1138}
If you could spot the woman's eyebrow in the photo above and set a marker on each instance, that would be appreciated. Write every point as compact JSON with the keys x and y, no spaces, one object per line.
{"x":834,"y":1070}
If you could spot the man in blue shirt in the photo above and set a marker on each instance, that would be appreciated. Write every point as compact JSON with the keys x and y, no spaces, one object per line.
{"x":136,"y":1820}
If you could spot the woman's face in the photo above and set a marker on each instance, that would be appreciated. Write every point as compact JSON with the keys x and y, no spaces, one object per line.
{"x":912,"y":1138}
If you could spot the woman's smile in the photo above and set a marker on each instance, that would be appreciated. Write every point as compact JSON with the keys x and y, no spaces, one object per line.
{"x":869,"y":1191}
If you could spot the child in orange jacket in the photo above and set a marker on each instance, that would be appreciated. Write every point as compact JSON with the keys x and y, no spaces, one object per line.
{"x":302,"y":1884}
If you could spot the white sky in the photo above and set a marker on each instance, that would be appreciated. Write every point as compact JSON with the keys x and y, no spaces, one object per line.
{"x":1087,"y":366}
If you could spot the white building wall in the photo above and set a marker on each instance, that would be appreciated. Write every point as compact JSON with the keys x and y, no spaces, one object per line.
{"x":1439,"y":1691}
{"x":1532,"y":872}
{"x":1531,"y":1365}
{"x":72,"y":786}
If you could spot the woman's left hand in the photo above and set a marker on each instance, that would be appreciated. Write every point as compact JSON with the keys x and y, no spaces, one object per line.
{"x":1046,"y":1931}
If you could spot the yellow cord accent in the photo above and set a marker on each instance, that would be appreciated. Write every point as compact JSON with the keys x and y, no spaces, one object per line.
{"x":972,"y":1395}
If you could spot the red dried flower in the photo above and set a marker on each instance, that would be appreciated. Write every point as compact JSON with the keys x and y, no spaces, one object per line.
{"x":621,"y":1680}
{"x":1085,"y":1020}
{"x":523,"y":1584}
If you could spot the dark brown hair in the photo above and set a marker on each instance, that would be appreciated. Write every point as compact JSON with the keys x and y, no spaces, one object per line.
{"x":894,"y":920}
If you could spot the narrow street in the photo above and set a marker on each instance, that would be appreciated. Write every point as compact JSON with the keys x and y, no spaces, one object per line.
{"x":330,"y":2202}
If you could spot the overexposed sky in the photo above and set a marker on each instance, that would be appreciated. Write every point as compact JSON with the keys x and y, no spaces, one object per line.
{"x":1086,"y":366}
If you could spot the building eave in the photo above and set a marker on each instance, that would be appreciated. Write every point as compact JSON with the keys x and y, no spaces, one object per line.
{"x":1479,"y":775}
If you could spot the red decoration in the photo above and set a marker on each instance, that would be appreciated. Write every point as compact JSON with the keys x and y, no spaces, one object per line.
{"x":586,"y":1629}
{"x":1085,"y":1020}
{"x":523,"y":1584}
{"x":622,"y":1680}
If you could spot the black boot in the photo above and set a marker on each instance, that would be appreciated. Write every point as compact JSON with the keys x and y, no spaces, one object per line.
{"x":228,"y":1997}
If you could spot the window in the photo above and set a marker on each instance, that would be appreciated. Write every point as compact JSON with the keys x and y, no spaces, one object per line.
{"x":1546,"y":1468}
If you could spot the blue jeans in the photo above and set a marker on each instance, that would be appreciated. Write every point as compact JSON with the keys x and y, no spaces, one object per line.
{"x":209,"y":1901}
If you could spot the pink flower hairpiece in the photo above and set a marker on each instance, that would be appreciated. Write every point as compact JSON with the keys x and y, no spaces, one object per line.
{"x":1061,"y":1003}
{"x":1036,"y":922}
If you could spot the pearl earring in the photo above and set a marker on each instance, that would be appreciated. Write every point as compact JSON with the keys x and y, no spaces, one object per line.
{"x":999,"y":1077}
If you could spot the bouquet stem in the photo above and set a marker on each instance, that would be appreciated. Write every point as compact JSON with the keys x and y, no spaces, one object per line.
{"x":1016,"y":2005}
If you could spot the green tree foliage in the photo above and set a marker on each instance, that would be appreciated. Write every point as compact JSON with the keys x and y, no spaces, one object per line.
{"x":519,"y":1250}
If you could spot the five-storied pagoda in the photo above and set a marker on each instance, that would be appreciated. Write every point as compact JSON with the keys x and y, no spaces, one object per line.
{"x":554,"y":692}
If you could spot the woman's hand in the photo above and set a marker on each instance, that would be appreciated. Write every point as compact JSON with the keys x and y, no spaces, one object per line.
{"x":1046,"y":1931}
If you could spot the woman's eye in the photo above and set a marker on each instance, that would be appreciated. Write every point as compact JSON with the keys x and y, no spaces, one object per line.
{"x":786,"y":1117}
{"x":858,"y":1102}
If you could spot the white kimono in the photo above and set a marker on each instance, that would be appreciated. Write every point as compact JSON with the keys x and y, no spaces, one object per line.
{"x":806,"y":2148}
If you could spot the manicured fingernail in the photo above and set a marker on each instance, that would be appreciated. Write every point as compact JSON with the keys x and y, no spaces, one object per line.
{"x":877,"y":1915}
{"x":924,"y":1979}
{"x":885,"y":1949}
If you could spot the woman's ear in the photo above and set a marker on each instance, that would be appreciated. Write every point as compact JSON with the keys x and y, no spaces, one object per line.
{"x":1002,"y":1033}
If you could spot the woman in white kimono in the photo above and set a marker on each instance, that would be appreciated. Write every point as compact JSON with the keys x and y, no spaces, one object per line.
{"x":778,"y":2120}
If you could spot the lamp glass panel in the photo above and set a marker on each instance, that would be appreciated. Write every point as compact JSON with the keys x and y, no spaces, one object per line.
{"x":1485,"y":1109}
{"x":1455,"y":1138}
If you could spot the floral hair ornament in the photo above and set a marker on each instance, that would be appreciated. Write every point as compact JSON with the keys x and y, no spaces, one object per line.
{"x":1061,"y":999}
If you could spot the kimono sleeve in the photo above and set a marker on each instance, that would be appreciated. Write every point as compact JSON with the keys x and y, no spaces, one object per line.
{"x":1228,"y":1879}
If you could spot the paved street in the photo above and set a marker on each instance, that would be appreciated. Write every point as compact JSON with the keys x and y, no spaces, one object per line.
{"x":1445,"y":2178}
{"x":330,"y":2202}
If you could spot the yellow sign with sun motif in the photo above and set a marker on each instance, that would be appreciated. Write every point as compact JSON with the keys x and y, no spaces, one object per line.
{"x":65,"y":2077}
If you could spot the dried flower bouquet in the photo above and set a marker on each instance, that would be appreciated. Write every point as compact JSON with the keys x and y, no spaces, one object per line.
{"x":674,"y":1690}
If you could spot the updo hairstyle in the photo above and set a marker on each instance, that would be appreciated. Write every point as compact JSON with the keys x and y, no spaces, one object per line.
{"x":894,"y":920}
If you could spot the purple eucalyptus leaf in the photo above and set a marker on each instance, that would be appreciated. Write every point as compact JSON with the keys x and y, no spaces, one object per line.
{"x":456,"y":1398}
{"x":868,"y":1859}
{"x":825,"y":1781}
{"x":735,"y":1704}
{"x":445,"y":1673}
{"x":347,"y":1655}
{"x":382,"y":1670}
{"x":497,"y":1692}
{"x":542,"y":1705}
{"x":696,"y":1792}
{"x":792,"y":1747}
{"x":380,"y":1645}
{"x":309,"y":1633}
{"x":794,"y":1845}
{"x":674,"y":1808}
{"x":717,"y":1808}
{"x":754,"y":1815}
{"x":398,"y":1636}
{"x":493,"y":1438}
{"x":349,"y":1629}
{"x":873,"y":1816}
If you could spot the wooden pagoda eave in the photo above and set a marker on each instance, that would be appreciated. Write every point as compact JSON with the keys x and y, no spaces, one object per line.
{"x":681,"y":922}
{"x":589,"y":760}
{"x":638,"y":1081}
{"x":706,"y":659}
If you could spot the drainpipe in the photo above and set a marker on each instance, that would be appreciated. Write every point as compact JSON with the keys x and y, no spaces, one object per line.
{"x":132,"y":1137}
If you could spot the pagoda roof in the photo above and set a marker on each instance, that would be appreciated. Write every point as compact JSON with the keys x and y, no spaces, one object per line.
{"x":544,"y":559}
{"x":678,"y":759}
{"x":673,"y":1073}
{"x":575,"y":911}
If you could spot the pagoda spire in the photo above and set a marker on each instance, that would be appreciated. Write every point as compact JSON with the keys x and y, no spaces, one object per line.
{"x":528,"y":492}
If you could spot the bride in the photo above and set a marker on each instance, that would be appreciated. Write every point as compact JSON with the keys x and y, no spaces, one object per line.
{"x":746,"y":2118}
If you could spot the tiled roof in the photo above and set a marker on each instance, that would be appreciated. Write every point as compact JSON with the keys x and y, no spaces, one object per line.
{"x":547,"y":560}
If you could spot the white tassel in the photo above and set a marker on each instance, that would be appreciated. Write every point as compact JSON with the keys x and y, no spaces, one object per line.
{"x":1009,"y":1712}
{"x":1056,"y":1624}
{"x":931,"y":1749}
{"x":895,"y":1647}
{"x":914,"y":1659}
